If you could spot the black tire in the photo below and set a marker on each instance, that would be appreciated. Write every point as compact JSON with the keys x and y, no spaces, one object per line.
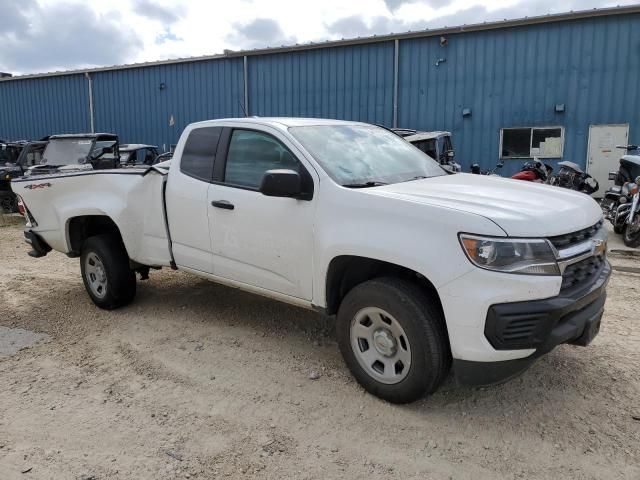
{"x":631,"y":239}
{"x":422,"y":321}
{"x":120,"y":279}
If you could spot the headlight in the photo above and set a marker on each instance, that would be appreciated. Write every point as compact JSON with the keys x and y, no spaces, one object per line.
{"x":511,"y":255}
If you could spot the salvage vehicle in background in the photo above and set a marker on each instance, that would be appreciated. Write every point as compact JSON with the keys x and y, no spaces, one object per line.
{"x":617,"y":198}
{"x":138,"y":154}
{"x":10,"y":151}
{"x":73,"y":152}
{"x":28,"y":154}
{"x":348,"y":219}
{"x":534,"y":171}
{"x":631,"y":228}
{"x":571,"y":176}
{"x":435,"y":144}
{"x":629,"y":168}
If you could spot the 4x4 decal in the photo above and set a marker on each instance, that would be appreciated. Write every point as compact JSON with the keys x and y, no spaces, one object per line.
{"x":34,"y":186}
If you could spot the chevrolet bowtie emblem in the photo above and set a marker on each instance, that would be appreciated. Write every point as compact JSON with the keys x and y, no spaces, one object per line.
{"x":599,"y":247}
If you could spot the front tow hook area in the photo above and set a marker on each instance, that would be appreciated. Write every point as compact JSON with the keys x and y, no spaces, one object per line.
{"x":39,"y":248}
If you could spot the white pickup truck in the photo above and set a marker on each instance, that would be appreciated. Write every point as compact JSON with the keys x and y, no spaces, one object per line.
{"x":422,"y":268}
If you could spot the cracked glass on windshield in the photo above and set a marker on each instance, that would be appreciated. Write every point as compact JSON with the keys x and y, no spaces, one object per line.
{"x":365,"y":155}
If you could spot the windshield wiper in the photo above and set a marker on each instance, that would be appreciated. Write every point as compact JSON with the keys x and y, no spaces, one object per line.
{"x":417,"y":177}
{"x":364,"y":184}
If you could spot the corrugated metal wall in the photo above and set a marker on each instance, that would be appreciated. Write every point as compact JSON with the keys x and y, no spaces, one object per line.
{"x":133,"y":104}
{"x":352,"y":82}
{"x":33,"y":108}
{"x":508,"y":77}
{"x":515,"y":77}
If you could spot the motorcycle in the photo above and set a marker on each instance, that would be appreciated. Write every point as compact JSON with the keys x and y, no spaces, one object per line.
{"x":616,"y":205}
{"x":475,"y":169}
{"x":616,"y":201}
{"x":631,"y":228}
{"x":534,"y":171}
{"x":629,"y":168}
{"x":571,"y":176}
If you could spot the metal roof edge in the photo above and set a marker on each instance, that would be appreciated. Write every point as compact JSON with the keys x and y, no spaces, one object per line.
{"x":500,"y":24}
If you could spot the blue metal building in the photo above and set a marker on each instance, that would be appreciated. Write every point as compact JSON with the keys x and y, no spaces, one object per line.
{"x":563,"y":86}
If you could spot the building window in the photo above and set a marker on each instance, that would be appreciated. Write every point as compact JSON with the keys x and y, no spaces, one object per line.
{"x":541,"y":142}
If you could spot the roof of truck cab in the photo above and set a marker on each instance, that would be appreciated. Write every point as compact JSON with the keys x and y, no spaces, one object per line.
{"x":283,"y":121}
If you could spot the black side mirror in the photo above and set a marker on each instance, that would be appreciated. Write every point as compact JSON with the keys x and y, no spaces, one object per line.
{"x":281,"y":183}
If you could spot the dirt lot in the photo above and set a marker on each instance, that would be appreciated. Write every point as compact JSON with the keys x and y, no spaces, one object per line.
{"x":195,"y":380}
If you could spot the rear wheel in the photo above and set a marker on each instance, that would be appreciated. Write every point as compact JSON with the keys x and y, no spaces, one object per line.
{"x":107,"y":277}
{"x":393,"y":339}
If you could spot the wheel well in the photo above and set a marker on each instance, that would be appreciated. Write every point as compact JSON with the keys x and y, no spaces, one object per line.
{"x":345,"y":272}
{"x":81,"y":228}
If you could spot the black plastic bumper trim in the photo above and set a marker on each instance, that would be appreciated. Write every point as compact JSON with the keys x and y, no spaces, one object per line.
{"x":543,"y":324}
{"x":573,"y":319}
{"x":39,"y":248}
{"x":480,"y":374}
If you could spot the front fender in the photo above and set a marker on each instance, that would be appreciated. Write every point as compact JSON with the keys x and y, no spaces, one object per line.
{"x":419,"y":237}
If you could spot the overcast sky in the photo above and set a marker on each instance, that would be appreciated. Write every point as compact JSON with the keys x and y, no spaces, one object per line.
{"x":47,"y":35}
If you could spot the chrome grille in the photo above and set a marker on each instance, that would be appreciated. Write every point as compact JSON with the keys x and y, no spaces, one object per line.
{"x":569,"y":239}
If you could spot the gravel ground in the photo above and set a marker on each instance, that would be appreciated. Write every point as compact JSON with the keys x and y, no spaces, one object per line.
{"x":196,"y":380}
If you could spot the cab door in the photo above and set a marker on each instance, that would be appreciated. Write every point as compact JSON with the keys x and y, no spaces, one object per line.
{"x":261,"y":241}
{"x":187,"y":203}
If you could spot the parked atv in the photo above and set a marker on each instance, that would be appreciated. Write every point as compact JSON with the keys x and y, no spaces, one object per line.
{"x":85,"y":151}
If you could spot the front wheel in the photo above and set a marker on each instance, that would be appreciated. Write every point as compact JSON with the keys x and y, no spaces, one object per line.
{"x":107,"y":277}
{"x":631,"y":233}
{"x":393,"y":339}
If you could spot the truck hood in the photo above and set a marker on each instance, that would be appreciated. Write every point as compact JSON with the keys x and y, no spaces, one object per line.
{"x":521,"y":209}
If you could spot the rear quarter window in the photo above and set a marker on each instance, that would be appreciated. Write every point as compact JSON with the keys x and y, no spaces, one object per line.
{"x":200,"y":152}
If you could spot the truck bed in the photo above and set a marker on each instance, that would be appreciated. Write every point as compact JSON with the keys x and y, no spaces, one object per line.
{"x":132,"y":196}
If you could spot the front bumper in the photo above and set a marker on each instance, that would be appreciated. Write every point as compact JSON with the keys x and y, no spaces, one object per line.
{"x":573,"y":317}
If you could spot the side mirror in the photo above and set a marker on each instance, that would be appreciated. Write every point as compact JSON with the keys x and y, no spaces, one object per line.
{"x":281,"y":183}
{"x":450,"y":154}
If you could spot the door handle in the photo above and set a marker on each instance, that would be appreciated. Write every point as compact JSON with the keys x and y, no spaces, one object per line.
{"x":226,"y":204}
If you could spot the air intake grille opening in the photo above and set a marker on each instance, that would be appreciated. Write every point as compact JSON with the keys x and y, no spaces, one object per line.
{"x":582,"y":272}
{"x":569,"y":239}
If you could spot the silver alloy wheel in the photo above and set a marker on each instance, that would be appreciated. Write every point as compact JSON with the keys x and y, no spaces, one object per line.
{"x":379,"y":343}
{"x":96,"y":275}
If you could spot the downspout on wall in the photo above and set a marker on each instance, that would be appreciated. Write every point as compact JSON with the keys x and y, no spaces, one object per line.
{"x":91,"y":113}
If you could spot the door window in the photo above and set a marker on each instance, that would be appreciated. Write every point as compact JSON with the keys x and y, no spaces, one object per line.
{"x":251,"y":154}
{"x":199,"y":152}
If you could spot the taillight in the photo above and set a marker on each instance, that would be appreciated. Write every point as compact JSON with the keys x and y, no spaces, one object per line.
{"x":24,"y":211}
{"x":21,"y":209}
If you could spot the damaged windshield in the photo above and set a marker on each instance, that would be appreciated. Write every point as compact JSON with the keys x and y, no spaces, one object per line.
{"x":360,"y":156}
{"x":67,"y":151}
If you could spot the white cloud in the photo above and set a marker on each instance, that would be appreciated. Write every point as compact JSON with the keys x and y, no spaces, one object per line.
{"x":147,"y":30}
